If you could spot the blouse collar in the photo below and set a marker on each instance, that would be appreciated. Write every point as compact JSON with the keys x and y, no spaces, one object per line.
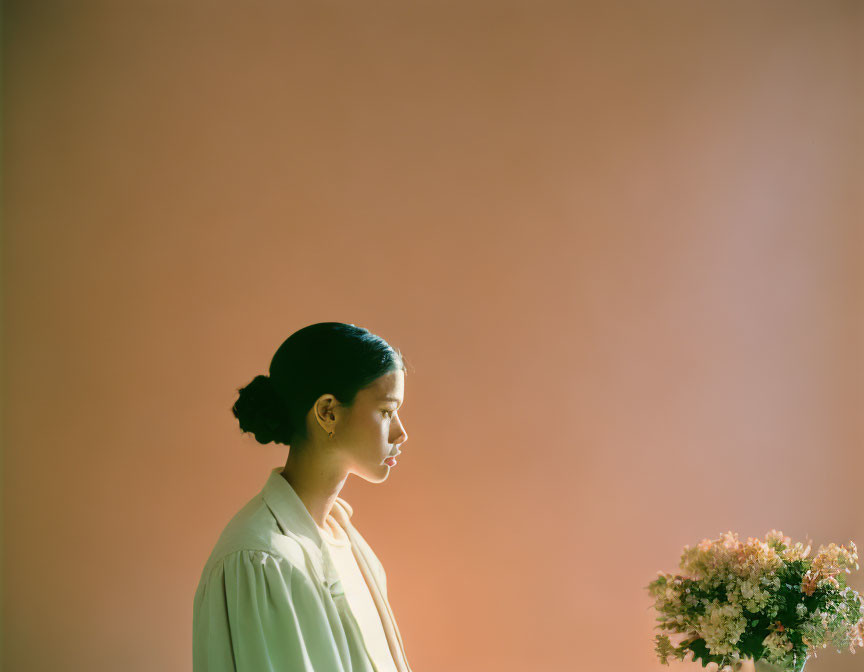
{"x":290,"y":511}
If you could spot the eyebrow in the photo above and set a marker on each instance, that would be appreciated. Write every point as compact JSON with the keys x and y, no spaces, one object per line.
{"x":391,"y":399}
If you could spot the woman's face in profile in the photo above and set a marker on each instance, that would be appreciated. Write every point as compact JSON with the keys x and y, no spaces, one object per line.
{"x":372,"y":430}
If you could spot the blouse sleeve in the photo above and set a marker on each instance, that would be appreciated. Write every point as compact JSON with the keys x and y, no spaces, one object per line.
{"x":258,"y":614}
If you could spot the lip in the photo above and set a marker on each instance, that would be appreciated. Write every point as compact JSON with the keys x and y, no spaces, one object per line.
{"x":398,"y":453}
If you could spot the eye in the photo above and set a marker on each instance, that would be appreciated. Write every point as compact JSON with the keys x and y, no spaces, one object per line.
{"x":387,"y":411}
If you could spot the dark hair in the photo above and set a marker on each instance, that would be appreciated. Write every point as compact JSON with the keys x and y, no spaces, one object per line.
{"x":326,"y":357}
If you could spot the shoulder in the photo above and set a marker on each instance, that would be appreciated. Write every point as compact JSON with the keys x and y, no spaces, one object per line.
{"x":254,"y":559}
{"x":254,"y":530}
{"x":249,"y":571}
{"x":253,"y":580}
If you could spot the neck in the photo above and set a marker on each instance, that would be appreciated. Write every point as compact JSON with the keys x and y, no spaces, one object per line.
{"x":316,"y":483}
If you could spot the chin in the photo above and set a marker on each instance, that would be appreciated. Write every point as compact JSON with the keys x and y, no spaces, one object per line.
{"x":378,"y":476}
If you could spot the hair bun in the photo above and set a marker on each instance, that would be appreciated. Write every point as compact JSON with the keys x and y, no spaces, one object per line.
{"x":261,"y":411}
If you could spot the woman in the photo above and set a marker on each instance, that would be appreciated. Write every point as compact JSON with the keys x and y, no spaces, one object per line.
{"x":291,"y":585}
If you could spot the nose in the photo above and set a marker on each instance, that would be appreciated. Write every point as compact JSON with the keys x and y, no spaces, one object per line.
{"x":402,"y":437}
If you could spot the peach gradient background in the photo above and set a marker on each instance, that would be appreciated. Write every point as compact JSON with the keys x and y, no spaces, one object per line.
{"x":619,"y":242}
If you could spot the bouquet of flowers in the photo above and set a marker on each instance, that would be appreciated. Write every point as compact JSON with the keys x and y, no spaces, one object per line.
{"x":760,"y":600}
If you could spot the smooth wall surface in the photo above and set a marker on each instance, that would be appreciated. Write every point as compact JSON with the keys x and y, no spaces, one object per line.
{"x":620,"y":244}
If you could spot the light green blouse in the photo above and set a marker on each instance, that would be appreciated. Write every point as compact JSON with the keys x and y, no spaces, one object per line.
{"x":270,"y":597}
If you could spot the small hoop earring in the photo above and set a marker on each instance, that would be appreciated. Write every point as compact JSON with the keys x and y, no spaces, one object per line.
{"x":332,"y":433}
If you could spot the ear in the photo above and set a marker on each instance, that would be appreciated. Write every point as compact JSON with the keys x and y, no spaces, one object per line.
{"x":323,"y":411}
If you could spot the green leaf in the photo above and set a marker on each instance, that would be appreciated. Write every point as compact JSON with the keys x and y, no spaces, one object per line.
{"x":700,"y":650}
